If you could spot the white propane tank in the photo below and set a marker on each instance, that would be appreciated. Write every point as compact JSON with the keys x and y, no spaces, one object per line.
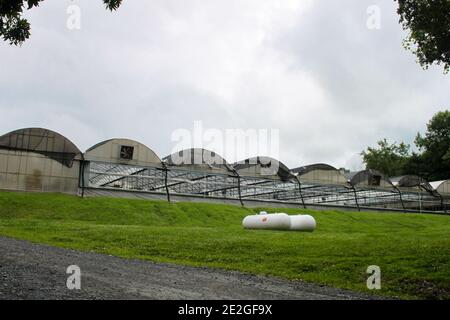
{"x":302,"y":223}
{"x":273,"y":221}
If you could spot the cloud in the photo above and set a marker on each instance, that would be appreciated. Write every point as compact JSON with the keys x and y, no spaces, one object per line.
{"x":311,"y":69}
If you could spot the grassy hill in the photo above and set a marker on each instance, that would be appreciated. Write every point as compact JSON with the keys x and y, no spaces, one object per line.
{"x":412,"y":250}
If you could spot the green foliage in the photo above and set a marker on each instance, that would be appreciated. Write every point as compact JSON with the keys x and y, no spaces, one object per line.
{"x":412,"y":250}
{"x":15,"y":29}
{"x":389,"y":159}
{"x":112,"y":4}
{"x":435,"y":147}
{"x":428,"y":24}
{"x":431,"y":163}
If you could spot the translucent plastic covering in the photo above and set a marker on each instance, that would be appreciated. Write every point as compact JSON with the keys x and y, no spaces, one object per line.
{"x":197,"y":158}
{"x":411,"y":181}
{"x":442,"y":187}
{"x":368,"y":178}
{"x":122,"y":151}
{"x":46,"y":142}
{"x":318,"y":166}
{"x":263,"y":166}
{"x":320,"y":173}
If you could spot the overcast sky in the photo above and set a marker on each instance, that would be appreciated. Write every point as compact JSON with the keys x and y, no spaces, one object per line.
{"x":312,"y":69}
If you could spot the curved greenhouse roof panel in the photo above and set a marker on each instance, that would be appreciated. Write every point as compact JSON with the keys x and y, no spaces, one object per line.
{"x":263,"y":167}
{"x":198,"y":159}
{"x":442,"y":187}
{"x":122,"y":151}
{"x":368,"y":178}
{"x":320,"y":173}
{"x":317,"y":166}
{"x":42,"y":141}
{"x":411,"y":182}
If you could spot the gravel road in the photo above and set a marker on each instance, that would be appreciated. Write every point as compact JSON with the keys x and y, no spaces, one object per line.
{"x":33,"y":271}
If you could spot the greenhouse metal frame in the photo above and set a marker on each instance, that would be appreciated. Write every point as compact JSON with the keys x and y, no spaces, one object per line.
{"x":52,"y":163}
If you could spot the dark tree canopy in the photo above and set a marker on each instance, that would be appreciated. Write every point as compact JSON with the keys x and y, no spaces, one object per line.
{"x":432,"y":162}
{"x":435,"y":147}
{"x":389,"y":159}
{"x":15,"y":29}
{"x":428,"y":23}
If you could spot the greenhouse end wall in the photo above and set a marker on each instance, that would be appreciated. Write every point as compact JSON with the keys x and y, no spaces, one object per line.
{"x":28,"y":171}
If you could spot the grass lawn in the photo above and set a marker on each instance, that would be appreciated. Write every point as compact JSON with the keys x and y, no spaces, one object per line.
{"x":412,"y":250}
